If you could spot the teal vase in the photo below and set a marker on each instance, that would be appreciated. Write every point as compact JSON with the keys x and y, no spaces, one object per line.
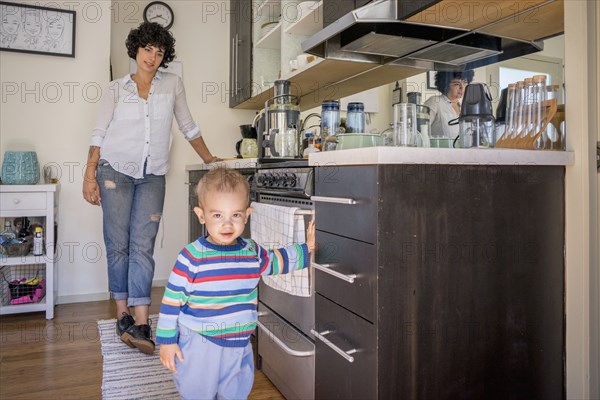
{"x":20,"y":168}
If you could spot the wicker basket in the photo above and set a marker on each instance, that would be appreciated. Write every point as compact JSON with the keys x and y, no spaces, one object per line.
{"x":17,"y":249}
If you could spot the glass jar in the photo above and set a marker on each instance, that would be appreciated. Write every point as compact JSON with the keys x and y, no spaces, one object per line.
{"x":355,"y":118}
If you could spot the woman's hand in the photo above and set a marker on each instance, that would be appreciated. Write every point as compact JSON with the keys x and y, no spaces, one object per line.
{"x":91,"y":191}
{"x":168,"y":352}
{"x":310,"y":236}
{"x":213,"y":159}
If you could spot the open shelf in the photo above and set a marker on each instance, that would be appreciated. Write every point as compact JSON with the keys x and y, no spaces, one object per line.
{"x":270,"y":7}
{"x":271,"y":40}
{"x":20,"y":260}
{"x":23,"y":308}
{"x":309,"y":23}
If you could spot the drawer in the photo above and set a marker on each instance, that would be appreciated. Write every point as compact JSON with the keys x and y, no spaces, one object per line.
{"x":358,"y":220}
{"x":345,"y":332}
{"x":287,"y":356}
{"x":22,"y":201}
{"x":342,"y":260}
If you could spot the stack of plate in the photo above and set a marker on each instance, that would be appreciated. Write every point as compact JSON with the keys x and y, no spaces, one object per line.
{"x":267,"y":27}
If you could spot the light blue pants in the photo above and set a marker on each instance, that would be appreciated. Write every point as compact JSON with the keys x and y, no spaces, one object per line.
{"x":209,"y":371}
{"x":131,"y":213}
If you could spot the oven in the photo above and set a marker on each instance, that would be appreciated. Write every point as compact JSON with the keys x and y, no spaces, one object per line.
{"x":286,"y":347}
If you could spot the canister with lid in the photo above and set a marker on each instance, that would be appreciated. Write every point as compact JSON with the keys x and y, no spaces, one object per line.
{"x":330,"y":122}
{"x":355,"y":118}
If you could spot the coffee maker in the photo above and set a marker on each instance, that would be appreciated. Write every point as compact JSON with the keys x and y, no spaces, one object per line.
{"x":247,"y":146}
{"x":280,"y":138}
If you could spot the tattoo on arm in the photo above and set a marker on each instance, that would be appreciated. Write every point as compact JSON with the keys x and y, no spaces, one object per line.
{"x":91,"y":152}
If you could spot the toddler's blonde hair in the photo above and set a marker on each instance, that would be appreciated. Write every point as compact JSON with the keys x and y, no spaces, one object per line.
{"x":222,"y":179}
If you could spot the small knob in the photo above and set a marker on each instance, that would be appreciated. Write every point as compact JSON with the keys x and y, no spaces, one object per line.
{"x":16,"y":201}
{"x":291,"y":180}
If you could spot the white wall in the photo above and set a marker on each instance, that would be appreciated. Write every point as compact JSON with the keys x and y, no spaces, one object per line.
{"x":45,"y":116}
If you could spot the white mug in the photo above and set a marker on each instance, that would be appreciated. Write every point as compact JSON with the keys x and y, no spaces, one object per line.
{"x":293,"y":65}
{"x":302,"y":60}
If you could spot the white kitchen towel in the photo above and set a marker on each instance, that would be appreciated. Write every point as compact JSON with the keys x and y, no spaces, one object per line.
{"x":277,"y":226}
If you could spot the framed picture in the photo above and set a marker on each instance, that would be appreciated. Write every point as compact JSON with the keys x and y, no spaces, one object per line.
{"x":31,"y":29}
{"x":431,"y":80}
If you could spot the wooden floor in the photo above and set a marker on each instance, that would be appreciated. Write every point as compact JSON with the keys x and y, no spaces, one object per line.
{"x":61,"y":359}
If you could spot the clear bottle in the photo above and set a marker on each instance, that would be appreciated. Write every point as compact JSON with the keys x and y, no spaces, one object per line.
{"x":519,"y":114}
{"x":539,"y":110}
{"x":528,"y":124}
{"x":38,"y":242}
{"x":8,"y":235}
{"x":509,"y":115}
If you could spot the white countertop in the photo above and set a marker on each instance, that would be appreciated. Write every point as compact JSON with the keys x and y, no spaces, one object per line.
{"x":234,"y":163}
{"x":419,"y":155}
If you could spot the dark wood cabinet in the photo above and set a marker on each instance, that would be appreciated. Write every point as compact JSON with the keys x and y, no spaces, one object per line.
{"x":460,"y":295}
{"x":240,"y":52}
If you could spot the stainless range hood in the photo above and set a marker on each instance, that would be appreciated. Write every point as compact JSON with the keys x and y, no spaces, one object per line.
{"x":379,"y":33}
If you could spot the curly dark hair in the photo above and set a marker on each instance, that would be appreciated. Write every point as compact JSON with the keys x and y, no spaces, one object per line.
{"x":444,"y":78}
{"x":151,"y":33}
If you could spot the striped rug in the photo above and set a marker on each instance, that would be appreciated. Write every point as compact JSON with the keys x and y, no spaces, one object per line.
{"x":129,"y":374}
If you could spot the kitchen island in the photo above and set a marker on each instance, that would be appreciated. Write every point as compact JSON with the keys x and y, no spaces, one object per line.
{"x":440,"y":273}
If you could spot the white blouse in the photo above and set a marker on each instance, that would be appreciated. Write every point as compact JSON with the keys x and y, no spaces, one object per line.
{"x":440,"y":112}
{"x":131,"y":131}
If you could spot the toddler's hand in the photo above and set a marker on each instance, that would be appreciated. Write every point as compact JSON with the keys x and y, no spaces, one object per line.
{"x":168,"y":352}
{"x":310,"y":236}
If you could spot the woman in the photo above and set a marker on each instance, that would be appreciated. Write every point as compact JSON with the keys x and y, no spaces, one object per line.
{"x":446,"y":107}
{"x":126,"y":167}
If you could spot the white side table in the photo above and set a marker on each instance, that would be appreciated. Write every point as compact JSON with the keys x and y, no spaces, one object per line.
{"x":31,"y":201}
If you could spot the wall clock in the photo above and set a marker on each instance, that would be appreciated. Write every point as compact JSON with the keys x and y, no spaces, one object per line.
{"x":159,"y":12}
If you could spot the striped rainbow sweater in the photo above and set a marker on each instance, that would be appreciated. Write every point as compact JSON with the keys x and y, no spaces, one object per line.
{"x":213,"y":290}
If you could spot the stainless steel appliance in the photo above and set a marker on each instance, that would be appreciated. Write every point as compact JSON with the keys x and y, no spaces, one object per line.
{"x":286,"y":345}
{"x":381,"y":32}
{"x":281,"y":136}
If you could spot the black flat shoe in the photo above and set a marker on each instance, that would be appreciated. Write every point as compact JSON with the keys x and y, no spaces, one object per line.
{"x":139,"y":336}
{"x":123,"y":324}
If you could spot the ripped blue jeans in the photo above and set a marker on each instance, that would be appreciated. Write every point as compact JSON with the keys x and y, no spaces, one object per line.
{"x":131,"y":213}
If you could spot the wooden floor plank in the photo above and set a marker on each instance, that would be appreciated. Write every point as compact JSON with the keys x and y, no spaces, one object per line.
{"x":61,"y":358}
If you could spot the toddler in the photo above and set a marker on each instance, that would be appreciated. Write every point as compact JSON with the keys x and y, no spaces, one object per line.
{"x":209,"y":309}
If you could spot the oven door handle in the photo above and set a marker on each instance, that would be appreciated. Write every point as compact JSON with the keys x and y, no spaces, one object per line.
{"x":322,"y":338}
{"x":327,"y":269}
{"x":337,"y":200}
{"x":281,"y":344}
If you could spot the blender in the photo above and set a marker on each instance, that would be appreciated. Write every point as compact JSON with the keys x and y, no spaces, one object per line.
{"x":476,"y":121}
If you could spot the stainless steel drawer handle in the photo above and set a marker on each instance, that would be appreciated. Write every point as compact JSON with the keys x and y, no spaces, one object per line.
{"x":327,"y":269}
{"x":322,"y":338}
{"x":281,"y":344}
{"x":337,"y":200}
